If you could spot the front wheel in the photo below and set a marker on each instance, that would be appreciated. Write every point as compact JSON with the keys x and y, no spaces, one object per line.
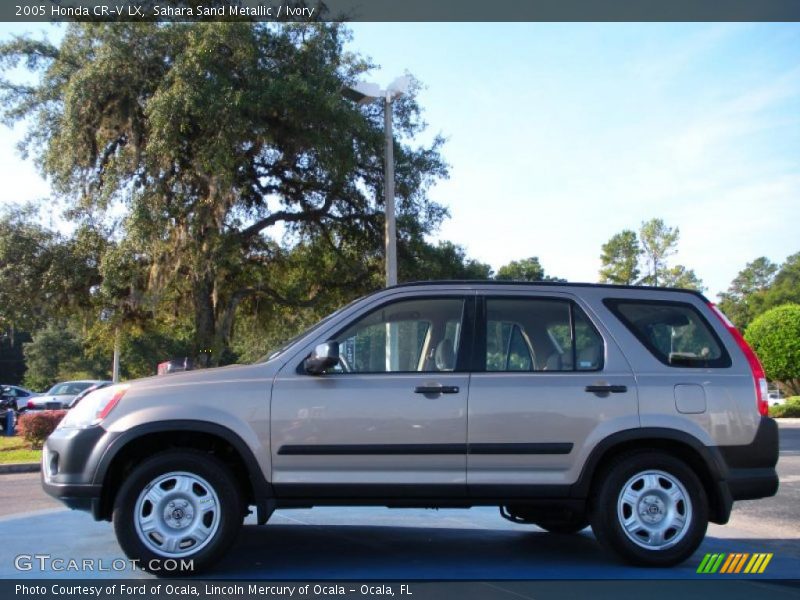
{"x":178,"y":512}
{"x":651,"y":509}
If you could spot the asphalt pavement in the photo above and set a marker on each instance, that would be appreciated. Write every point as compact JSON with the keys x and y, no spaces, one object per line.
{"x":403,"y":544}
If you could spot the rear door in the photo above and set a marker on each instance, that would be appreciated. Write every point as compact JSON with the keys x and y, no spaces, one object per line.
{"x":549,"y":384}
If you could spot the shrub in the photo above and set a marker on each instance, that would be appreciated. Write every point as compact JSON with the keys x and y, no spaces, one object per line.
{"x":35,"y":426}
{"x":775,"y":338}
{"x":789,"y":409}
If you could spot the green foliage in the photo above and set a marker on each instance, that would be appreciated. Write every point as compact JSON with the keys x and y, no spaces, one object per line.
{"x":625,"y":257}
{"x":789,"y":409}
{"x":658,"y":243}
{"x":420,"y":260}
{"x":35,"y":426}
{"x":785,"y":287}
{"x":620,"y":259}
{"x":746,"y":296}
{"x":12,"y":360}
{"x":775,"y":338}
{"x":760,"y":286}
{"x":681,"y":277}
{"x":45,"y":275}
{"x":57,"y":354}
{"x":205,"y":137}
{"x":527,"y":269}
{"x":14,"y":450}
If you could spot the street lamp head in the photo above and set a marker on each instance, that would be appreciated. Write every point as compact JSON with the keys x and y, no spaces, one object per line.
{"x":398,"y":87}
{"x":363,"y":92}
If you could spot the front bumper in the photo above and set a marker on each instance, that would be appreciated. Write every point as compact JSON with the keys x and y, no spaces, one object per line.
{"x":69,"y":461}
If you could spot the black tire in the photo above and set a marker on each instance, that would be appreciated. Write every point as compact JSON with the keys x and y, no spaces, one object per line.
{"x":564,"y":526}
{"x":610,"y":509}
{"x":224,"y":518}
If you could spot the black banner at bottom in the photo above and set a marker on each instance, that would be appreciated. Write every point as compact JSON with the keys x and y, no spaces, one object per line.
{"x":165,"y":589}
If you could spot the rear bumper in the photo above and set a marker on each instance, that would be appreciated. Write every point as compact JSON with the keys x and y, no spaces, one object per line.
{"x":749,"y":484}
{"x":751,"y":467}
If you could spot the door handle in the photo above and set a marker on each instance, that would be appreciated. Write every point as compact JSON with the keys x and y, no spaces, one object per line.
{"x":436,"y":389}
{"x":607,"y":389}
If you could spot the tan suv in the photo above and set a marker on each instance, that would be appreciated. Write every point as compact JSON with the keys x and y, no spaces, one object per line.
{"x":639,"y":411}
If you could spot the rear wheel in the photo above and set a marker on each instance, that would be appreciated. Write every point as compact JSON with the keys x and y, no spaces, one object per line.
{"x":651,"y":509}
{"x":180,"y":509}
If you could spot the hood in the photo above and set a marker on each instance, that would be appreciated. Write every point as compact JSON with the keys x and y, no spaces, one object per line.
{"x":231,"y":373}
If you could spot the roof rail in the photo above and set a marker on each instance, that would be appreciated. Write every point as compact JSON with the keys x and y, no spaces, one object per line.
{"x":613,"y":286}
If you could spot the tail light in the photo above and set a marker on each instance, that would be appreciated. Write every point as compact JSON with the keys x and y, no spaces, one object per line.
{"x":30,"y":404}
{"x":759,"y":377}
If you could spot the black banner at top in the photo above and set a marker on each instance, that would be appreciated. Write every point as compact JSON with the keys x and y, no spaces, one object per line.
{"x":399,"y":10}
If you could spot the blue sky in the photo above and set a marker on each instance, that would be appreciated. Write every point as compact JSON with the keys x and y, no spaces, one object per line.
{"x":560,"y":135}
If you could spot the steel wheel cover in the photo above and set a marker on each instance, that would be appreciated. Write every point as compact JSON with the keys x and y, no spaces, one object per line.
{"x":654,"y":510}
{"x":177,"y":514}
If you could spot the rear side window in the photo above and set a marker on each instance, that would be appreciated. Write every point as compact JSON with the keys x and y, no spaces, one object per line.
{"x":540,"y":334}
{"x":674,"y":332}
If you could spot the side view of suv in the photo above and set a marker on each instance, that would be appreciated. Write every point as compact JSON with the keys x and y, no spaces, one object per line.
{"x":640,"y":412}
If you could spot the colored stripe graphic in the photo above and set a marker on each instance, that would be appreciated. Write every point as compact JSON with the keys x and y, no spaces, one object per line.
{"x":759,"y":563}
{"x":741,"y":563}
{"x":734,"y":563}
{"x":730,"y":563}
{"x":702,"y":567}
{"x":752,"y":564}
{"x":711,"y":563}
{"x":765,"y":563}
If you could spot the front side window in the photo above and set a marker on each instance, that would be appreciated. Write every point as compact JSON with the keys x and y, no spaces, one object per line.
{"x":674,"y":332}
{"x":540,"y":334}
{"x":407,"y":336}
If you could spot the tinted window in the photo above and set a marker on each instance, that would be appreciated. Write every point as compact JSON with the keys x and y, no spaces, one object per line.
{"x":674,"y":332}
{"x":529,"y":334}
{"x":407,"y":336}
{"x":588,"y":343}
{"x":69,"y":389}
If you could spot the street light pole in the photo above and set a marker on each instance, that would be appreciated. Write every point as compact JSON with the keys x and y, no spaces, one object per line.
{"x":391,"y":222}
{"x":115,"y":364}
{"x":367,"y":92}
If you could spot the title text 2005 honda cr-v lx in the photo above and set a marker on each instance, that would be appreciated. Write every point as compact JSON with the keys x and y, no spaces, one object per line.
{"x":640,"y":412}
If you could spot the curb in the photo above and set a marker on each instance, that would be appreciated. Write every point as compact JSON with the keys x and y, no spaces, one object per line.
{"x":20,"y":468}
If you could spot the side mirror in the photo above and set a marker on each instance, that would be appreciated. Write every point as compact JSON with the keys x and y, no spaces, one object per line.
{"x":324,"y":356}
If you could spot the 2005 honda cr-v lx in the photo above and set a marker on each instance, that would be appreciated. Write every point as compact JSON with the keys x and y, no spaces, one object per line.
{"x":639,"y":411}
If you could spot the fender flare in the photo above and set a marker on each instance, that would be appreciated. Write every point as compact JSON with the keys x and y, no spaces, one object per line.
{"x":710,"y":456}
{"x":262,"y":489}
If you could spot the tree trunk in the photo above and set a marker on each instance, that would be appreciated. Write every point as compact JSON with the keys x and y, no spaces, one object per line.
{"x":204,"y":322}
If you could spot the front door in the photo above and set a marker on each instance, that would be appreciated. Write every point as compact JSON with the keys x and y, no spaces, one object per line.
{"x":391,"y":418}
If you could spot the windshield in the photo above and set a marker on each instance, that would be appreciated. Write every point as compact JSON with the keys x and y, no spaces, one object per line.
{"x":71,"y":388}
{"x":274,"y":353}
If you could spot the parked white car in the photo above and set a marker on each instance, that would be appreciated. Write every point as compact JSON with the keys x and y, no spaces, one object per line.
{"x":60,"y":395}
{"x":775,"y":398}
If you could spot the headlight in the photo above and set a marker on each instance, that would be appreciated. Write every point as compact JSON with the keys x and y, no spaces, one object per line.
{"x":93,"y":408}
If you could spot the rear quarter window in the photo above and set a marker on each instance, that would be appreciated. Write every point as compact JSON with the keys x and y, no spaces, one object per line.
{"x":674,"y":332}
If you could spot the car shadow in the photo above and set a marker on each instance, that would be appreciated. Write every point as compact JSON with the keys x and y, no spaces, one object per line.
{"x":387,"y":552}
{"x":380,"y":552}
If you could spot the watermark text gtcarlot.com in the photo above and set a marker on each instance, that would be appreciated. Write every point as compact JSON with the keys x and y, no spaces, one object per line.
{"x":50,"y":563}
